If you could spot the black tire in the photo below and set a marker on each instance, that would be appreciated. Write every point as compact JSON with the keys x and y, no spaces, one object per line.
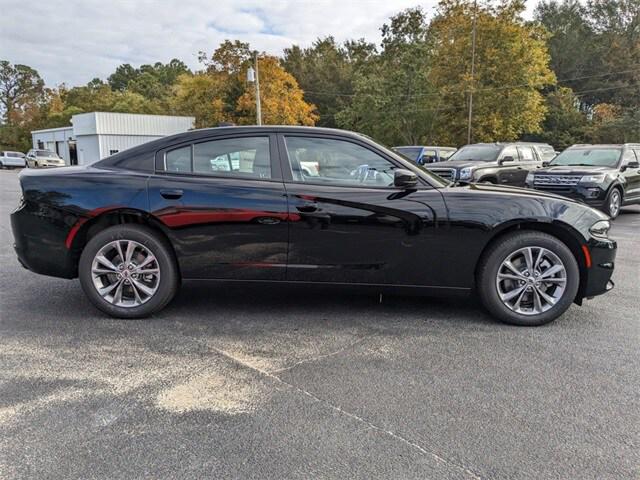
{"x":492,"y":261}
{"x":169,"y":277}
{"x":608,"y":206}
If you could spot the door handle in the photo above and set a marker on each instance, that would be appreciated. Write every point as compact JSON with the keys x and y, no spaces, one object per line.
{"x":171,"y":194}
{"x":307,"y":208}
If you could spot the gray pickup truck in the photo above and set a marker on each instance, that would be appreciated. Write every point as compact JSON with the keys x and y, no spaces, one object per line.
{"x":500,"y":163}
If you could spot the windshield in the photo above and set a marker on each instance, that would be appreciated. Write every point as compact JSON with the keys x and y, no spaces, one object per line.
{"x":589,"y":157}
{"x":445,"y":154}
{"x":477,"y":153}
{"x":410,"y":152}
{"x":47,"y":153}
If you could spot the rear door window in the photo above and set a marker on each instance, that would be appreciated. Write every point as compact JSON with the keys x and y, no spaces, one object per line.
{"x":526,"y":154}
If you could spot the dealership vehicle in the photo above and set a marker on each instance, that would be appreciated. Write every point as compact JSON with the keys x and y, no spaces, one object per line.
{"x":135,"y":224}
{"x":12,"y":160}
{"x":43,"y":158}
{"x":425,"y":154}
{"x":499,"y":163}
{"x":603,"y":176}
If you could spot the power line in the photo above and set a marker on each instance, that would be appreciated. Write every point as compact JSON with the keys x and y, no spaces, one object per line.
{"x":504,"y":87}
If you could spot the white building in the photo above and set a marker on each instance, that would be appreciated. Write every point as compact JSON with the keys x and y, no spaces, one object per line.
{"x":96,"y":135}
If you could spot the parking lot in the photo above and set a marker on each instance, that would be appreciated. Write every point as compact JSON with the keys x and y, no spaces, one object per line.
{"x":238,"y":382}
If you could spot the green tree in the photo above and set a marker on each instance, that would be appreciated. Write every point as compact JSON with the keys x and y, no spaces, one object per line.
{"x":21,"y":90}
{"x":325,"y":73}
{"x":392,"y":99}
{"x":511,"y":69}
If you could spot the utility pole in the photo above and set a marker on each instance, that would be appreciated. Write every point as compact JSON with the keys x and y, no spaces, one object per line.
{"x":473,"y":68}
{"x":254,"y":77}
{"x":258,"y":108}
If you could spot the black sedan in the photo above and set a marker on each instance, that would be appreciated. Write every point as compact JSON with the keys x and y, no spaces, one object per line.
{"x":234,"y":204}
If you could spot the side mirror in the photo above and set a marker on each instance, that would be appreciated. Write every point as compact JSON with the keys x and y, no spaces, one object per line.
{"x":506,"y":159}
{"x":630,"y":165}
{"x":546,"y":163}
{"x":404,"y":178}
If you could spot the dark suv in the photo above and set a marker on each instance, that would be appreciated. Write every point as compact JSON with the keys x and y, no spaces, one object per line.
{"x":501,"y":163}
{"x":603,"y":176}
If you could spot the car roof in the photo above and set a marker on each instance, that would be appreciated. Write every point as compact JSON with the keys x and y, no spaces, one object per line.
{"x":605,"y":145}
{"x":426,"y":146}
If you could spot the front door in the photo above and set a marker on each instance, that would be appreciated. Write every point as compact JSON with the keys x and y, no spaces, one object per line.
{"x":349,"y":224}
{"x":509,"y":171}
{"x":222,"y":202}
{"x":632,"y":175}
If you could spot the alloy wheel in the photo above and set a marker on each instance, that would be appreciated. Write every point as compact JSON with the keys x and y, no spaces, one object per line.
{"x":614,"y":203}
{"x":531,"y":280}
{"x":125,"y":273}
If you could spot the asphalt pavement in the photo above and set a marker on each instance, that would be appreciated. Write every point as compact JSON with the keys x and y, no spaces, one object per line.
{"x":257,"y":383}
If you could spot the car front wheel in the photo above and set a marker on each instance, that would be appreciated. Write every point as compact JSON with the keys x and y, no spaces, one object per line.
{"x":528,"y":278}
{"x":128,"y":271}
{"x":613,"y":203}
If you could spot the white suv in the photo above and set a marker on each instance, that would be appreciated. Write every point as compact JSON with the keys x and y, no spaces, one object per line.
{"x":12,"y":160}
{"x":43,"y":158}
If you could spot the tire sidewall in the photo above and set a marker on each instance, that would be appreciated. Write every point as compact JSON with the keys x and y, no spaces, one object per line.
{"x":162,"y":252}
{"x":487,"y":281}
{"x":607,"y":206}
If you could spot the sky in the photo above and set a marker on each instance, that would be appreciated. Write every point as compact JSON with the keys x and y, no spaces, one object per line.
{"x":74,"y":41}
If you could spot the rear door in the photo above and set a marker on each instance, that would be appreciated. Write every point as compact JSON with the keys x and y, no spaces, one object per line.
{"x":349,"y":224}
{"x":509,"y":171}
{"x":632,"y":175}
{"x":222,"y":202}
{"x":529,"y":161}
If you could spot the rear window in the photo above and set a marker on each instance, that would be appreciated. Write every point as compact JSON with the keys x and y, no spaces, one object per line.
{"x":47,"y":153}
{"x":409,"y":152}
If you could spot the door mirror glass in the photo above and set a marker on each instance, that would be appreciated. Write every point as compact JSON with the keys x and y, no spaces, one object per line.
{"x":404,"y":178}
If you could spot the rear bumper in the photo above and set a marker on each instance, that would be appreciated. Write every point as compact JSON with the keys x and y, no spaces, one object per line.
{"x":39,"y":244}
{"x":598,"y":276}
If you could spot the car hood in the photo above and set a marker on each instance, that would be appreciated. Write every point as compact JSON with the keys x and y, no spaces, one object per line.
{"x":574,"y":170}
{"x":50,"y":159}
{"x":456,"y":164}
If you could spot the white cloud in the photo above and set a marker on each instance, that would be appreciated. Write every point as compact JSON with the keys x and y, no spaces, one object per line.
{"x":73,"y":41}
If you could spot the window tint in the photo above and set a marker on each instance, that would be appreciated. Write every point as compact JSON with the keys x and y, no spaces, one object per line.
{"x":510,"y":152}
{"x":526,"y":154}
{"x":178,"y":160}
{"x":597,"y":157}
{"x":237,"y":157}
{"x":322,"y":160}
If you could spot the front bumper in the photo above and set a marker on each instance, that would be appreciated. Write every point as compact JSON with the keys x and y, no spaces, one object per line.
{"x":602,"y":256}
{"x":591,"y":195}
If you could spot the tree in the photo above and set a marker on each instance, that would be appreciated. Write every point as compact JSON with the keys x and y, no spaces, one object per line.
{"x":511,"y":68}
{"x":281,"y":98}
{"x":325,"y":73}
{"x":392,"y":90}
{"x":565,"y":124}
{"x":21,"y":91}
{"x":201,"y":95}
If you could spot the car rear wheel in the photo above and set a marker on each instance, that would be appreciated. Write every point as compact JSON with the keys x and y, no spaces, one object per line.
{"x":528,"y":278}
{"x":128,"y":271}
{"x":613,"y":203}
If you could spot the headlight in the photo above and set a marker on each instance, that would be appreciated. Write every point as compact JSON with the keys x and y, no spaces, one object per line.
{"x":600,"y":228}
{"x":593,"y":178}
{"x":530,"y":178}
{"x":465,"y":173}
